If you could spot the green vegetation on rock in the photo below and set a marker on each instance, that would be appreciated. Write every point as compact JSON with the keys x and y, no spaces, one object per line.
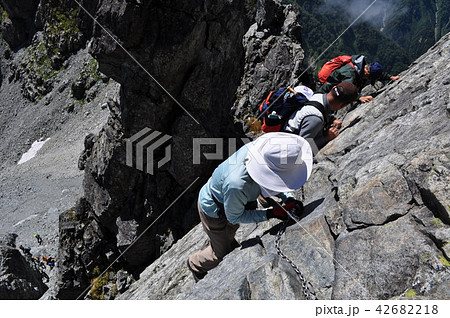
{"x":437,"y":222}
{"x":410,"y":293}
{"x":91,"y":69}
{"x":46,"y":55}
{"x":99,"y":283}
{"x":3,"y":15}
{"x":62,"y":27}
{"x":96,"y":291}
{"x":444,"y":261}
{"x":39,"y":61}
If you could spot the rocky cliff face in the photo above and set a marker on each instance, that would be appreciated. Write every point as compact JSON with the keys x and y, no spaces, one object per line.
{"x":273,"y":59}
{"x":383,"y":181}
{"x":376,"y":224}
{"x":196,"y":52}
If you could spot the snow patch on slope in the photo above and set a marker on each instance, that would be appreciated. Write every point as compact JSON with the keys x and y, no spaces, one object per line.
{"x":31,"y":153}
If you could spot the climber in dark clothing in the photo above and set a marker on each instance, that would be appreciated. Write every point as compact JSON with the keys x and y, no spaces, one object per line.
{"x":25,"y":250}
{"x":359,"y":73}
{"x":38,"y":238}
{"x":308,"y":122}
{"x":51,"y":262}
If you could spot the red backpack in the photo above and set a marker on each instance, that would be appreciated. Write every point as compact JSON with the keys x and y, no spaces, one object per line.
{"x":333,"y":64}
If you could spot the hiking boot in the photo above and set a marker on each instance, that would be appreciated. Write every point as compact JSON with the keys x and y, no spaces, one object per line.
{"x":197,"y":276}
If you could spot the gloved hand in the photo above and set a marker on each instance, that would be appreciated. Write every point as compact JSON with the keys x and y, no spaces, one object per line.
{"x":278,"y":213}
{"x":266,"y":202}
{"x":297,"y":205}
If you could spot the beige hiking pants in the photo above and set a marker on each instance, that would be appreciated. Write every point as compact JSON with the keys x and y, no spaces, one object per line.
{"x":221,"y":236}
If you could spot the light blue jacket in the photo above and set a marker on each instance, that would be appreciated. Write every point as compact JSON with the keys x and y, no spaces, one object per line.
{"x":232,"y":186}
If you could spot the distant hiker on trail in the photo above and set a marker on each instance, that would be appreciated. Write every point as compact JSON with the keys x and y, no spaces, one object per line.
{"x":38,"y":238}
{"x":352,"y":69}
{"x":39,"y":262}
{"x":310,"y":121}
{"x":273,"y":164}
{"x":51,"y":262}
{"x":25,"y":250}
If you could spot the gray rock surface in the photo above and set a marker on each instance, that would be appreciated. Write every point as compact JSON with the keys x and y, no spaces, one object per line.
{"x":376,"y":224}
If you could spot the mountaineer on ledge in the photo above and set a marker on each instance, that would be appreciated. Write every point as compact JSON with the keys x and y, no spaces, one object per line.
{"x":272,"y":165}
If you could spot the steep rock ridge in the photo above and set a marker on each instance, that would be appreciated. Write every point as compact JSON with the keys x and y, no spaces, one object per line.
{"x":195,"y":50}
{"x":390,"y":174}
{"x":376,"y":223}
{"x":273,"y":58}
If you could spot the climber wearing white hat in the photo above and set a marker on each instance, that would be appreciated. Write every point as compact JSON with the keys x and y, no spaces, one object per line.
{"x":273,"y":164}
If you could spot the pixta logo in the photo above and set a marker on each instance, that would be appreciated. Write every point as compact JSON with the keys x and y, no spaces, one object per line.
{"x":143,"y":149}
{"x":143,"y":145}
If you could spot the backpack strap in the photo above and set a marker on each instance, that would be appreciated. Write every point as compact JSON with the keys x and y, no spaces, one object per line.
{"x":321,"y":108}
{"x":265,"y":102}
{"x":268,"y":97}
{"x":296,"y":129}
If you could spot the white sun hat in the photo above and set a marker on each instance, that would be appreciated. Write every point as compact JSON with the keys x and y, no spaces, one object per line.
{"x":279,"y":161}
{"x":306,"y":91}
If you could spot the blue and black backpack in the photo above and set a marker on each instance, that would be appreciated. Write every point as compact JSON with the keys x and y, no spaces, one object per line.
{"x":276,"y":109}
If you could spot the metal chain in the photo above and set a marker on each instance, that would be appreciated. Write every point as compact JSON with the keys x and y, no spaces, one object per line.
{"x":308,"y":290}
